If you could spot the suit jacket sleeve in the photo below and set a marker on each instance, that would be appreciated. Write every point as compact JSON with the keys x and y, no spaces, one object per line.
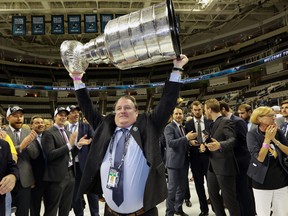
{"x":162,"y":112}
{"x":172,"y":141}
{"x":8,"y":165}
{"x":91,"y":113}
{"x":254,"y":143}
{"x":229,"y":133}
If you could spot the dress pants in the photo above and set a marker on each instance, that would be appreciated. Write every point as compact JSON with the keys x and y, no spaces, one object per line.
{"x":177,"y":185}
{"x":227,"y":185}
{"x":199,"y":168}
{"x":77,"y":204}
{"x":8,"y":202}
{"x":59,"y":195}
{"x":21,"y":199}
{"x":245,"y":195}
{"x":2,"y":204}
{"x":37,"y":194}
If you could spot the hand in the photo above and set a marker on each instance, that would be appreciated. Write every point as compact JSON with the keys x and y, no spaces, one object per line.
{"x":73,"y":138}
{"x":84,"y":141}
{"x":2,"y":134}
{"x":28,"y":139}
{"x":214,"y":145}
{"x":202,"y":148}
{"x":191,"y":135}
{"x":194,"y":143}
{"x":271,"y":131}
{"x":7,"y":184}
{"x":76,"y":76}
{"x":179,"y":63}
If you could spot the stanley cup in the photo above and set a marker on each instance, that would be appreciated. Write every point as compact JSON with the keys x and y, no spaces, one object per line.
{"x":137,"y":39}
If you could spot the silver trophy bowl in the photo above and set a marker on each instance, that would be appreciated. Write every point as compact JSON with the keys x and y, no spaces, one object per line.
{"x":137,"y":39}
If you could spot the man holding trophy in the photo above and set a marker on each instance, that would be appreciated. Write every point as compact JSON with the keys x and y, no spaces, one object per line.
{"x":124,"y":161}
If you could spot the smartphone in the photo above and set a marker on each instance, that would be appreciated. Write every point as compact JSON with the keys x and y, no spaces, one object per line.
{"x":208,"y":137}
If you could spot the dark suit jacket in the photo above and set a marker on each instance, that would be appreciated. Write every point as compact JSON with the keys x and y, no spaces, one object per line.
{"x":146,"y":131}
{"x":84,"y":129}
{"x":7,"y":166}
{"x":240,"y":146}
{"x":38,"y":163}
{"x":223,"y":161}
{"x":57,"y":154}
{"x":23,"y":163}
{"x":176,"y":147}
{"x":190,"y":126}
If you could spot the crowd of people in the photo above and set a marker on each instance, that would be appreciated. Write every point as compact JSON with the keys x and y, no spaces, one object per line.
{"x":136,"y":161}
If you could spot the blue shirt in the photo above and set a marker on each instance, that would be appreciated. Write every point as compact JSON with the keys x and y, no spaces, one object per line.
{"x":136,"y":172}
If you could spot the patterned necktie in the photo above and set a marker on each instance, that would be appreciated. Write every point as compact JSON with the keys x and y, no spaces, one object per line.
{"x":181,"y":130}
{"x":118,"y":191}
{"x":64,"y":136}
{"x":199,"y":132}
{"x":16,"y":133}
{"x":284,"y":127}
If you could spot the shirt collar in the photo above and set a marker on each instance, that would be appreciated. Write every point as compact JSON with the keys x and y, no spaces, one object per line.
{"x":118,"y":128}
{"x":177,"y":123}
{"x":201,"y":119}
{"x":13,"y":129}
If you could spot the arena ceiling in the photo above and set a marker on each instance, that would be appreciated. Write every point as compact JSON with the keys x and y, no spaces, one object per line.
{"x":202,"y":22}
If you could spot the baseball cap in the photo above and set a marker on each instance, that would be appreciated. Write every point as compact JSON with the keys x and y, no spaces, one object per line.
{"x":60,"y":109}
{"x":14,"y":109}
{"x":71,"y":107}
{"x":276,"y":108}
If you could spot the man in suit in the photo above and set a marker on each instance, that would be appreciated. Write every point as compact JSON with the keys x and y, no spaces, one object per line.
{"x":245,"y":112}
{"x":38,"y":166}
{"x":242,"y":155}
{"x":199,"y":161}
{"x":222,"y":169}
{"x":83,"y":129}
{"x":58,"y":146}
{"x":138,"y":184}
{"x":22,"y":139}
{"x":284,"y":112}
{"x":177,"y":164}
{"x":8,"y":173}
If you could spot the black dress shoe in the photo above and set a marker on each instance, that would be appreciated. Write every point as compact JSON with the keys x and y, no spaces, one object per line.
{"x":203,"y":214}
{"x":188,"y":203}
{"x":181,"y":213}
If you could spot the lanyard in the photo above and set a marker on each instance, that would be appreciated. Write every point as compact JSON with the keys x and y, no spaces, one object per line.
{"x":126,"y":143}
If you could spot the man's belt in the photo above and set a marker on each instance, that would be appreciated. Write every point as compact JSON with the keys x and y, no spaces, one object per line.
{"x":139,"y":212}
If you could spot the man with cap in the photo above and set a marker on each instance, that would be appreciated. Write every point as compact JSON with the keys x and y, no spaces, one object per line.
{"x":83,"y":129}
{"x":22,"y":139}
{"x":58,"y":146}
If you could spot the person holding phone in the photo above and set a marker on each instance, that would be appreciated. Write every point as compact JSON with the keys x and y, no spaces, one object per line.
{"x":199,"y":124}
{"x":222,"y":168}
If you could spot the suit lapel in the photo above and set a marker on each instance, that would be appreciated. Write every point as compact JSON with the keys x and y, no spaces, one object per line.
{"x":59,"y":135}
{"x":136,"y":135}
{"x":177,"y":129}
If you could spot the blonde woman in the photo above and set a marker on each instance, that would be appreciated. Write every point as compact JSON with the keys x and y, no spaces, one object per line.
{"x":267,"y":146}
